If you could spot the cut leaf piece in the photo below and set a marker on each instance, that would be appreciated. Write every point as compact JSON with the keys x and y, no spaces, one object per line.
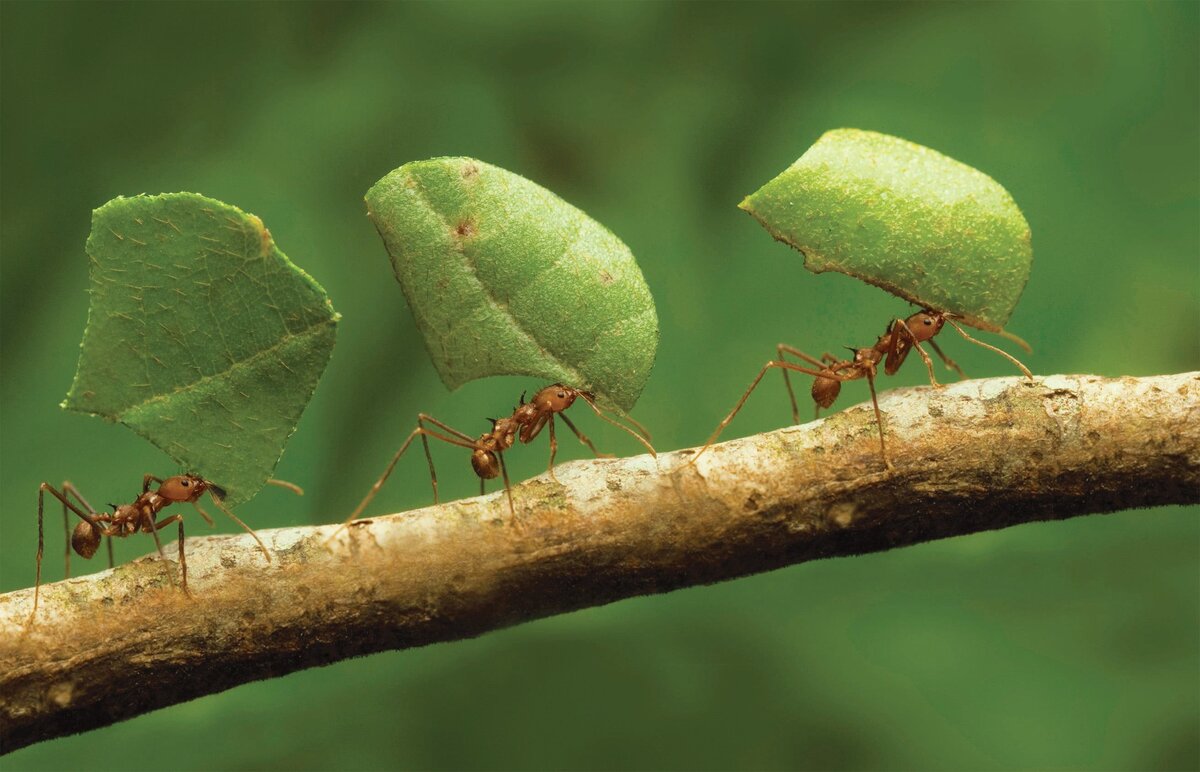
{"x":903,"y":217}
{"x":202,"y":336}
{"x":505,"y":278}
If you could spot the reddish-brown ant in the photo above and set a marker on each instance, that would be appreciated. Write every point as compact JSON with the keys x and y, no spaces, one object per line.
{"x":892,"y":348}
{"x":128,"y":519}
{"x":487,"y":452}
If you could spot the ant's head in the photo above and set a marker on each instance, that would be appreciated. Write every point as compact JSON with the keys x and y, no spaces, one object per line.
{"x":555,"y":398}
{"x":184,"y":487}
{"x":485,"y":464}
{"x":926,"y":324}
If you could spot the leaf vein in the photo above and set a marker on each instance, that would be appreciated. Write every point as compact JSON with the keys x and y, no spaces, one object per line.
{"x":233,"y":366}
{"x":496,"y":303}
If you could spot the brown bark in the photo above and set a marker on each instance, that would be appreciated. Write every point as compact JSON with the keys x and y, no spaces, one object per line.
{"x":975,"y":456}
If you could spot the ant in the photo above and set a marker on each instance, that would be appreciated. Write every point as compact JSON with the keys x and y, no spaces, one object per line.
{"x":128,"y":519}
{"x":892,"y":348}
{"x":487,"y":452}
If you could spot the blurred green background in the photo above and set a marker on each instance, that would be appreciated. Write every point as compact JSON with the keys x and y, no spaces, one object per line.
{"x":1069,"y":645}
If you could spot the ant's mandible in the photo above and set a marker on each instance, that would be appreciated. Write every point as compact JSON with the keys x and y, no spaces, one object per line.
{"x":128,"y":519}
{"x":487,"y":452}
{"x":892,"y":348}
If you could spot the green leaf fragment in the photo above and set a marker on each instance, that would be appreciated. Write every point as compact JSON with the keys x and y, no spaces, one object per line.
{"x":919,"y":224}
{"x":505,"y":278}
{"x":202,"y":336}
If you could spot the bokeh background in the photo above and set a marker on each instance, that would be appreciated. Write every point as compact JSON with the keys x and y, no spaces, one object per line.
{"x":1072,"y":645}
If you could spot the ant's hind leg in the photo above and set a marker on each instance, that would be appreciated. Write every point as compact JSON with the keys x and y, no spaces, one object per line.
{"x":428,"y":457}
{"x":512,"y":509}
{"x":458,"y":439}
{"x":89,"y":517}
{"x":826,"y":359}
{"x":70,"y":490}
{"x":750,"y":389}
{"x":879,"y":421}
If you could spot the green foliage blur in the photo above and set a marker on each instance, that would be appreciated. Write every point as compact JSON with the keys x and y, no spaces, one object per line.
{"x":1071,"y":645}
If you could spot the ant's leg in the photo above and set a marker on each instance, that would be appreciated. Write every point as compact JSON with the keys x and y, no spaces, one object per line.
{"x":753,"y":385}
{"x":147,"y":479}
{"x":825,"y":359}
{"x":878,"y":420}
{"x":428,"y":457}
{"x":950,"y":363}
{"x":90,"y":517}
{"x":507,"y":486}
{"x":596,"y":409}
{"x":583,"y":437}
{"x":553,"y":448}
{"x":37,"y":582}
{"x":70,"y":490}
{"x":182,"y":561}
{"x":899,"y":324}
{"x":66,"y":535}
{"x":221,"y":506}
{"x":200,"y":509}
{"x":453,"y":431}
{"x":1001,"y":352}
{"x":420,"y":430}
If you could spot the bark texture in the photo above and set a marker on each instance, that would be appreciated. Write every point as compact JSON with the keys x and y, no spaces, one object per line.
{"x":975,"y":456}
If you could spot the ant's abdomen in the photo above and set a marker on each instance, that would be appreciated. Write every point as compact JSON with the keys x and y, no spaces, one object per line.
{"x":825,"y":391}
{"x":85,"y":539}
{"x":485,"y":464}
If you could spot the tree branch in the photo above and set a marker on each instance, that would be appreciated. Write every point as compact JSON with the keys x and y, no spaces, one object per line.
{"x":975,"y":456}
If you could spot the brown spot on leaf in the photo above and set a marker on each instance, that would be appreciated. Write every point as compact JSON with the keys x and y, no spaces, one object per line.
{"x":470,"y":169}
{"x":465,"y":229}
{"x":606,"y":277}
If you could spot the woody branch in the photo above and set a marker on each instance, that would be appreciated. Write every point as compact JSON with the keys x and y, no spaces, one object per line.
{"x":975,"y":456}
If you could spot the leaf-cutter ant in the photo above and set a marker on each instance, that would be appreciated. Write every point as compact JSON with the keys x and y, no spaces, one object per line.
{"x":892,"y":348}
{"x":487,"y":452}
{"x":128,"y":519}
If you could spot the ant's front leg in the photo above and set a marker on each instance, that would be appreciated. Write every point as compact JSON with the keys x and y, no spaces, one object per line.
{"x":900,"y":327}
{"x":950,"y":363}
{"x":182,"y":560}
{"x":147,"y":479}
{"x":1001,"y":352}
{"x":583,"y":437}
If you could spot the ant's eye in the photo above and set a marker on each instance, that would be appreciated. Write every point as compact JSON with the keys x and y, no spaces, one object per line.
{"x":561,"y":395}
{"x":928,"y":321}
{"x":186,"y":483}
